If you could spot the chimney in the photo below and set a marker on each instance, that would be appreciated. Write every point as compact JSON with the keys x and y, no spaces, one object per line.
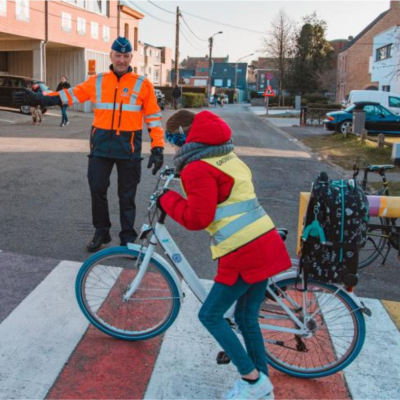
{"x":394,"y":5}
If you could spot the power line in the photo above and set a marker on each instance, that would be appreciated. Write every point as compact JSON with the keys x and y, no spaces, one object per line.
{"x":150,"y":15}
{"x":183,"y":19}
{"x":155,"y":5}
{"x":189,"y":42}
{"x":222,"y":23}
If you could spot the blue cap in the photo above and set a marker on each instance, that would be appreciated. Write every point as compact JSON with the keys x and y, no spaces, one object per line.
{"x":122,"y":45}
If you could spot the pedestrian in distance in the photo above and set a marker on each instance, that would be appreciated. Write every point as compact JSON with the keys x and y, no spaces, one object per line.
{"x":220,"y":198}
{"x":64,"y":84}
{"x":121,"y":100}
{"x":36,"y":112}
{"x":176,"y":95}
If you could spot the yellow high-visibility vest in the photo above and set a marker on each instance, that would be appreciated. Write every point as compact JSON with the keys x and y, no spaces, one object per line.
{"x":239,"y":219}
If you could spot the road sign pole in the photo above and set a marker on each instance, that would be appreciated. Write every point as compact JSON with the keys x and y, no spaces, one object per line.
{"x":267,"y":100}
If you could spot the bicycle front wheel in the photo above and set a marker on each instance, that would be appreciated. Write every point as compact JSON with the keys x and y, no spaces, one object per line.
{"x":337,"y":329}
{"x":104,"y":279}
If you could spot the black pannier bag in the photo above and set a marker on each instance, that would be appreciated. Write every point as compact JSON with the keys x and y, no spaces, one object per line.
{"x":335,"y":230}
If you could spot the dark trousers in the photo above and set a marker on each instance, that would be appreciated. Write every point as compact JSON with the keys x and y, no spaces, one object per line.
{"x":99,"y":173}
{"x":64,"y":117}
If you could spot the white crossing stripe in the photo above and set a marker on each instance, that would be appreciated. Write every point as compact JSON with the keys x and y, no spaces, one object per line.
{"x":375,"y":374}
{"x":38,"y":337}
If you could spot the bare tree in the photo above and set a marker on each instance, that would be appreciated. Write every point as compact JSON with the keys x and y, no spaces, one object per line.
{"x":278,"y":46}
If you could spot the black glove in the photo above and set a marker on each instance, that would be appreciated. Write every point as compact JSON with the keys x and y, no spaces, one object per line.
{"x":28,"y":98}
{"x":156,"y":159}
{"x":159,"y":198}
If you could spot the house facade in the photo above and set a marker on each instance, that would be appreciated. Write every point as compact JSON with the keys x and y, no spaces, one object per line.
{"x":47,"y":39}
{"x":354,"y":69}
{"x":384,"y":63}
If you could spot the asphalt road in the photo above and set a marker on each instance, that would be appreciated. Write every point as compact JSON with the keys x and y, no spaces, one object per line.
{"x":45,"y":200}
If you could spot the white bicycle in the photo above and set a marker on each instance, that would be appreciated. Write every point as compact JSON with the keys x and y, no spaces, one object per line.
{"x":311,"y":329}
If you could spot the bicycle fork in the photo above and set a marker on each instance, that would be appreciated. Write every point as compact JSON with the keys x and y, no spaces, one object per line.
{"x":142,"y":268}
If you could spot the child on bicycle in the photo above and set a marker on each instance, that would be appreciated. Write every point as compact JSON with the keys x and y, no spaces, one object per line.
{"x":220,"y":198}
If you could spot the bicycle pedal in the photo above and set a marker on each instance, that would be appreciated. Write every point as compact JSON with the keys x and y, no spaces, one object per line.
{"x":223,"y":358}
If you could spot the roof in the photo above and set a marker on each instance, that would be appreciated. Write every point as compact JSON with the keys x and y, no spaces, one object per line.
{"x":365,"y":30}
{"x":191,"y":62}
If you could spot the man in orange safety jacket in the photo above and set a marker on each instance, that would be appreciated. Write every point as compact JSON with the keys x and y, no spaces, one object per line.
{"x":121,"y":100}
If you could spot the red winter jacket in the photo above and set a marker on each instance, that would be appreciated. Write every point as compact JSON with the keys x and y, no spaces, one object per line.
{"x":205,"y":187}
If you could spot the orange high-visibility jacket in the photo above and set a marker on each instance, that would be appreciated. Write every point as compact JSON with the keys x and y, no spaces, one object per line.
{"x":120,"y":105}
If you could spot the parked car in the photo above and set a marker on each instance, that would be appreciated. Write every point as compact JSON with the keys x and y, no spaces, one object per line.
{"x":387,"y":99}
{"x":11,"y":84}
{"x":378,"y":119}
{"x":160,"y":98}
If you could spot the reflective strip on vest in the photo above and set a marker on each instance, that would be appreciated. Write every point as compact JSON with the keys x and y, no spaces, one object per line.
{"x":156,"y":115}
{"x":63,"y":97}
{"x":137,"y":87}
{"x":153,"y":124}
{"x":236,"y":225}
{"x":71,"y":92}
{"x":110,"y":106}
{"x":236,"y":208}
{"x":99,"y":81}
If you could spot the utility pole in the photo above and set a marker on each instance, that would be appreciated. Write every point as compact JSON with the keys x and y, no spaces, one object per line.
{"x":176,"y":47}
{"x":210,"y":41}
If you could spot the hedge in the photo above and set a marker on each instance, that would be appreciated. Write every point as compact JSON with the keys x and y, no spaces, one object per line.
{"x":193,"y":100}
{"x":325,"y":106}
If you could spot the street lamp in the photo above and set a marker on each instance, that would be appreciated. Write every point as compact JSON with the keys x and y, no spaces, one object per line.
{"x":210,"y":40}
{"x":241,"y":58}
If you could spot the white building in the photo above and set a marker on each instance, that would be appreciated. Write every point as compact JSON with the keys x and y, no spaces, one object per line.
{"x":385,"y":60}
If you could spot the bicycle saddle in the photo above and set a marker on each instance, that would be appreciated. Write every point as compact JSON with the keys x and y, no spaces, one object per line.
{"x":379,"y":168}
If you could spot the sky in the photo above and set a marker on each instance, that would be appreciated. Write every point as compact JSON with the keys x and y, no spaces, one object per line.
{"x":344,"y":18}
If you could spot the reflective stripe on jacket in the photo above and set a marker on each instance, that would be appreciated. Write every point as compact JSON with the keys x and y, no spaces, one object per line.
{"x":239,"y":219}
{"x":119,"y":109}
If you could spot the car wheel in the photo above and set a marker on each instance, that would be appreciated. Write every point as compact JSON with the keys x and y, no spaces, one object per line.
{"x":26,"y":110}
{"x":343,"y":126}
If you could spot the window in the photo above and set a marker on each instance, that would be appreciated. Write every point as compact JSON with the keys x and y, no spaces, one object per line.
{"x":96,"y":6}
{"x":3,"y":8}
{"x":135,"y":39}
{"x":149,"y":70}
{"x":156,"y":75}
{"x":371,"y":110}
{"x":394,"y":102}
{"x":106,"y":33}
{"x":384,"y":52}
{"x":142,"y":69}
{"x":81,"y":26}
{"x":94,"y":30}
{"x":126,"y":31}
{"x":66,"y":22}
{"x":384,"y":112}
{"x":22,"y":10}
{"x":386,"y":88}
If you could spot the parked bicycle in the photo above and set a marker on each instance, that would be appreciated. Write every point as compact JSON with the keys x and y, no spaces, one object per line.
{"x":310,"y":330}
{"x":383,"y":233}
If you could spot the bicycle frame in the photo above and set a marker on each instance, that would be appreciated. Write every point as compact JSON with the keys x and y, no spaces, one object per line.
{"x":161,"y":236}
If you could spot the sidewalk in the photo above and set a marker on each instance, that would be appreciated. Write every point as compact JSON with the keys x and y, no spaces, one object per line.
{"x":62,"y":357}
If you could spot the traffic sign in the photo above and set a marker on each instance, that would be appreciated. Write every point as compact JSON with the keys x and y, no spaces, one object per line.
{"x":269,"y":92}
{"x":269,"y":75}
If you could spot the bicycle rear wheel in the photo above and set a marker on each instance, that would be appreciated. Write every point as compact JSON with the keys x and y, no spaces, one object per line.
{"x":338,"y":330}
{"x":377,"y":239}
{"x":103,"y":280}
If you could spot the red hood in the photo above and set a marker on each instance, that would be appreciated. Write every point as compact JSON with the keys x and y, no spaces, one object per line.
{"x":210,"y":129}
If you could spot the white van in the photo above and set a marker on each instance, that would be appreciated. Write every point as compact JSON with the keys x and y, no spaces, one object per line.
{"x":387,"y":99}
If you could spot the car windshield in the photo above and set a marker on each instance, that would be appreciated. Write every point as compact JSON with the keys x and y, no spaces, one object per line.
{"x":350,"y":109}
{"x":43,"y":87}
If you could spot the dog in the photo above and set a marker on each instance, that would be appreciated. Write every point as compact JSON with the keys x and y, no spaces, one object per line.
{"x":37,"y":115}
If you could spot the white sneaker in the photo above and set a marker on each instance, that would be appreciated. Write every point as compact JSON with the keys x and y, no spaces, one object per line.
{"x":67,"y":123}
{"x":262,"y":390}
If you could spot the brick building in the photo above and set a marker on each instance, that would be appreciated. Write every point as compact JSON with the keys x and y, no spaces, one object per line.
{"x":48,"y":39}
{"x":353,"y":71}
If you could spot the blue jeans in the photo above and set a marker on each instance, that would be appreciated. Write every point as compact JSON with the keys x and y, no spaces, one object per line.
{"x":249,"y":298}
{"x":64,"y":118}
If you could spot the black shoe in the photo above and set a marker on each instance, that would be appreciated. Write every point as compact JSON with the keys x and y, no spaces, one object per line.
{"x":124,"y":242}
{"x":97,"y":242}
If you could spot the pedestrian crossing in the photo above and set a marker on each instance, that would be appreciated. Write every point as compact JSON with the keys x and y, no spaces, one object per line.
{"x":49,"y":351}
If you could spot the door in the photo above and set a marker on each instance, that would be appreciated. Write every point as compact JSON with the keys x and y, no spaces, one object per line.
{"x":394,"y":104}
